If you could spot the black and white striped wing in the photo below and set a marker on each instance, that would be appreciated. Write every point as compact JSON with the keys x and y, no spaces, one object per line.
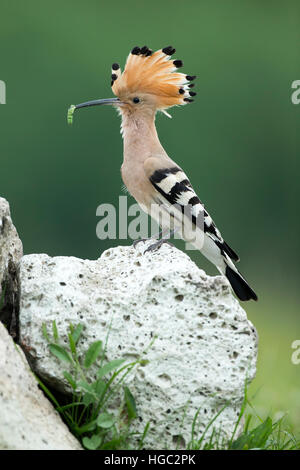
{"x":175,"y":188}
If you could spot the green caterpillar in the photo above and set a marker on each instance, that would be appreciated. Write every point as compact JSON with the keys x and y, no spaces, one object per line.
{"x":70,"y":113}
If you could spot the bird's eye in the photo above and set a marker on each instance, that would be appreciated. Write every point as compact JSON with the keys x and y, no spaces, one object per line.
{"x":136,"y":100}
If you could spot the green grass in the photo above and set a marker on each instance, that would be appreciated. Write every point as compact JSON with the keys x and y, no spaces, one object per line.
{"x":89,"y":419}
{"x":268,"y":435}
{"x":257,"y":434}
{"x":87,"y":412}
{"x":276,"y":387}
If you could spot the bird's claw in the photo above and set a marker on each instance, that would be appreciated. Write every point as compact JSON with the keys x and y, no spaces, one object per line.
{"x":157,"y":245}
{"x":140,"y":240}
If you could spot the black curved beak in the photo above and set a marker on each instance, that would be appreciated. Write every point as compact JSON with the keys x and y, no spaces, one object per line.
{"x":98,"y":102}
{"x":72,"y":108}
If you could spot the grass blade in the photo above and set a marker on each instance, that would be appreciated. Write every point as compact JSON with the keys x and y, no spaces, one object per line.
{"x":55,"y":331}
{"x":109,"y":367}
{"x":130,"y":403}
{"x":60,"y":353}
{"x":92,"y":354}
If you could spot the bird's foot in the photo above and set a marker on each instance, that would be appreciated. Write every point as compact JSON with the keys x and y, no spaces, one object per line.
{"x":155,"y":237}
{"x":157,"y":245}
{"x":166,"y":234}
{"x":140,"y":240}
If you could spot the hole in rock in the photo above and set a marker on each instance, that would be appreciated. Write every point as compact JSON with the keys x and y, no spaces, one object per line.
{"x":178,"y":442}
{"x":179,"y":297}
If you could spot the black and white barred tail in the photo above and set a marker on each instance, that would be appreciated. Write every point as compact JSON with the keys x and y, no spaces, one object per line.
{"x":239,"y":285}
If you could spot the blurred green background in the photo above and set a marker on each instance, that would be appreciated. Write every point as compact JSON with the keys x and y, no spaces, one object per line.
{"x":239,"y":142}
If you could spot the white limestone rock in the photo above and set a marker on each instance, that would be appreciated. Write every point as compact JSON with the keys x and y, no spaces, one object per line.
{"x":27,"y":419}
{"x":205,"y":346}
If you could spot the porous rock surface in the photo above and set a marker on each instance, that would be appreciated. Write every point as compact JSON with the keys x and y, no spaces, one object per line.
{"x":27,"y":419}
{"x":205,"y":347}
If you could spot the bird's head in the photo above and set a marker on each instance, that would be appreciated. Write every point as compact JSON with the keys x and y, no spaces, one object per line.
{"x":149,"y":83}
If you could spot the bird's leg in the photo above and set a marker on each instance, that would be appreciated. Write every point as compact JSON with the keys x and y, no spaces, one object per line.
{"x":155,"y":246}
{"x":157,"y":235}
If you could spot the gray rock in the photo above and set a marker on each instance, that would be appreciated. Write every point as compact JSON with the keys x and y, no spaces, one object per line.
{"x":27,"y":419}
{"x":11,"y":251}
{"x":205,"y":347}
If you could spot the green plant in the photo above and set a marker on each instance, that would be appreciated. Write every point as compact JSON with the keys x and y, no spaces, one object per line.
{"x":266,"y":435}
{"x":88,"y":413}
{"x":90,"y":419}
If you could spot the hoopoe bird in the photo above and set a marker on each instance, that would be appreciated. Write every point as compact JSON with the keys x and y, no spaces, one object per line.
{"x":149,"y":83}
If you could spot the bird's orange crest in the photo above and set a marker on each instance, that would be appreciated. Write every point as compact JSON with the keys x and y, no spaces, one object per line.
{"x":154,"y":73}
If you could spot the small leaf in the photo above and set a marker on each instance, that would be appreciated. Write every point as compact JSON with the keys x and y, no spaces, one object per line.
{"x":77,"y":332}
{"x":241,"y":443}
{"x":109,"y":367}
{"x":85,"y":386}
{"x":261,"y":433}
{"x":146,"y":429}
{"x":130,"y":403}
{"x":86,"y":427}
{"x":92,"y":353}
{"x":45,"y":332}
{"x":55,"y":331}
{"x":60,"y":352}
{"x":254,"y":439}
{"x":70,"y":379}
{"x":92,"y":443}
{"x":72,"y":343}
{"x":105,"y":420}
